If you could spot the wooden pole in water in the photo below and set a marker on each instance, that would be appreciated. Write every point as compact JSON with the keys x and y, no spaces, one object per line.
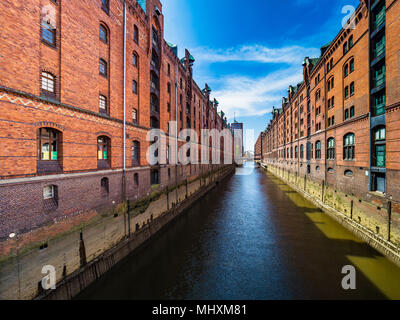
{"x":389,"y":219}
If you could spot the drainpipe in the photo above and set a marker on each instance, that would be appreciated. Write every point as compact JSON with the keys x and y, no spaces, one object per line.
{"x":124,"y":124}
{"x":176,"y":129}
{"x":124,"y":97}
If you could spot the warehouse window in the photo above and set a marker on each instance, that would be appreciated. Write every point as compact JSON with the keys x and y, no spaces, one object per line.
{"x":136,"y":153}
{"x":103,"y":152}
{"x":318,"y":150}
{"x":379,"y":147}
{"x":134,"y":87}
{"x":350,"y":42}
{"x":154,"y":177}
{"x":50,"y":198}
{"x":105,"y":187}
{"x":136,"y":179}
{"x":348,"y":173}
{"x":352,"y":89}
{"x":102,"y":104}
{"x":103,"y":34}
{"x":135,"y":59}
{"x":331,"y":149}
{"x":351,"y":65}
{"x":48,"y":151}
{"x":49,"y":192}
{"x":48,"y":33}
{"x":48,"y":141}
{"x":134,"y":115}
{"x":136,"y":34}
{"x":301,"y":151}
{"x":103,"y":67}
{"x":48,"y":85}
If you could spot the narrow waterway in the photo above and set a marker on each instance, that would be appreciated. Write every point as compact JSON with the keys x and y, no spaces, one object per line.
{"x":250,"y":238}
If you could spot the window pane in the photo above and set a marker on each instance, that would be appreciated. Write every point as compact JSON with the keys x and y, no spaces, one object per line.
{"x":48,"y":192}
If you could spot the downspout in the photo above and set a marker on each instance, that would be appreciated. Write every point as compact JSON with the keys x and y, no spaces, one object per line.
{"x":176,"y":129}
{"x":124,"y":97}
{"x":124,"y":124}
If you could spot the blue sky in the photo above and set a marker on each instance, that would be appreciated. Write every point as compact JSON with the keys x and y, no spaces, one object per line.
{"x":249,"y":52}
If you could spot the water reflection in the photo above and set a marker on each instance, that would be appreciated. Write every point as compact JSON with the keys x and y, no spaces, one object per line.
{"x":253,"y":238}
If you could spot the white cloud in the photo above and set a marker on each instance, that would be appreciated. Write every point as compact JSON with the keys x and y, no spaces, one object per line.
{"x":248,"y":96}
{"x":254,"y":53}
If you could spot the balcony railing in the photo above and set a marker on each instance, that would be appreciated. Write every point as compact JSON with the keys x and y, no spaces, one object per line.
{"x":379,"y":80}
{"x":154,"y":64}
{"x":379,"y":49}
{"x":379,"y":109}
{"x":380,"y":18}
{"x":154,"y":108}
{"x":154,"y":85}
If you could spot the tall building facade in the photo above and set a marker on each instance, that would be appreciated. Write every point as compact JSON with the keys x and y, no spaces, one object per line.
{"x":340,"y":124}
{"x":81,"y":85}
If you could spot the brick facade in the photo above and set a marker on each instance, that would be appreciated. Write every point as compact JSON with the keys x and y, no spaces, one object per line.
{"x":69,"y":41}
{"x":298,"y":137}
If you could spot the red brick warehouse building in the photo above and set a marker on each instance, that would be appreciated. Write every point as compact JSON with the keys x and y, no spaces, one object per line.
{"x":340,"y":125}
{"x":63,"y":89}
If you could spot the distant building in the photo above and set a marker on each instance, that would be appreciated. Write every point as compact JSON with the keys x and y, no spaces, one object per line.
{"x":238,"y":126}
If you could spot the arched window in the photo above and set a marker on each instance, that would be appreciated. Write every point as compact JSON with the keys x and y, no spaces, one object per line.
{"x":49,"y":141}
{"x":103,"y":34}
{"x":136,"y":34}
{"x":318,"y":150}
{"x":136,"y":153}
{"x":48,"y":84}
{"x":103,"y":152}
{"x":346,"y":70}
{"x":302,"y":151}
{"x":349,"y":146}
{"x":134,"y":86}
{"x":379,"y":147}
{"x":48,"y":144}
{"x":351,"y":65}
{"x":331,"y":149}
{"x":351,"y":42}
{"x":296,"y":152}
{"x":348,"y":173}
{"x":102,"y":104}
{"x":135,"y":59}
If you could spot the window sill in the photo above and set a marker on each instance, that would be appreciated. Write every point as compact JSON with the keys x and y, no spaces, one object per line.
{"x":378,"y":194}
{"x":49,"y":44}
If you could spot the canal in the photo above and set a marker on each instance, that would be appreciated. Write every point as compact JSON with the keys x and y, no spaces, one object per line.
{"x":251,"y":238}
